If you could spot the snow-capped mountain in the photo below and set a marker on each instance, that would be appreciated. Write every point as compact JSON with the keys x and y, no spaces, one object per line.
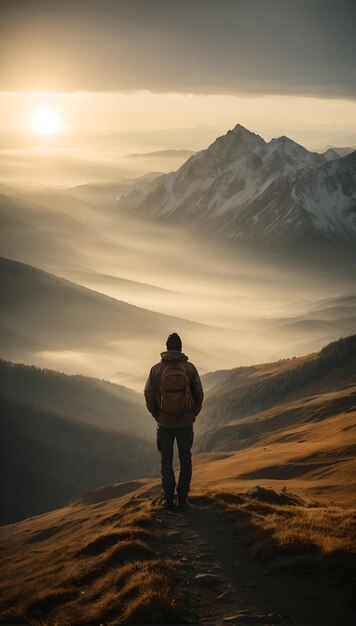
{"x":245,"y":188}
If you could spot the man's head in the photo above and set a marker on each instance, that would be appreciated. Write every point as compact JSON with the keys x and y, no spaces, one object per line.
{"x":174,"y":342}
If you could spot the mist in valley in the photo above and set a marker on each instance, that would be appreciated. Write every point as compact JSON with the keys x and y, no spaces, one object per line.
{"x":231,"y":304}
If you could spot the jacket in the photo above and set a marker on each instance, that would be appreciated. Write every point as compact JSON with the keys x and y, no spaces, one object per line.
{"x":152,"y":387}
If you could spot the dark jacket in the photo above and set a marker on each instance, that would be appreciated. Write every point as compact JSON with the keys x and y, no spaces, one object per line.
{"x":152,"y":387}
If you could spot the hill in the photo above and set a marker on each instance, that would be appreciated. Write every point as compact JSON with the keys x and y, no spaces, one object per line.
{"x":36,"y":232}
{"x":285,"y":423}
{"x":267,"y":539}
{"x":114,"y":557}
{"x":244,"y":391}
{"x":47,"y":459}
{"x":51,"y":321}
{"x":82,"y":399}
{"x":317,"y":325}
{"x":63,"y":434}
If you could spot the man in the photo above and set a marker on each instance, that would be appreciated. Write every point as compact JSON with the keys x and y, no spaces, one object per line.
{"x":174,"y":396}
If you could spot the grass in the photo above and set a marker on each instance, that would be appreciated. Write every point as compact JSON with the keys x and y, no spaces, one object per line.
{"x":294,"y":536}
{"x":104,"y":541}
{"x":112,"y":577}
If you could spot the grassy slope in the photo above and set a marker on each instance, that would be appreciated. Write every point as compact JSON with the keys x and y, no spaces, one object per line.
{"x":113,"y":557}
{"x":285,"y":423}
{"x":84,"y":562}
{"x":295,"y":545}
{"x":246,"y":391}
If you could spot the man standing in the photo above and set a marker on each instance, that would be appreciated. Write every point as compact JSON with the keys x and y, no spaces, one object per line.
{"x":174,"y":396}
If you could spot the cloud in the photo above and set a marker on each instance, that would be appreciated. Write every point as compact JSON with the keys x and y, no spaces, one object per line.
{"x":63,"y":167}
{"x":199,"y":46}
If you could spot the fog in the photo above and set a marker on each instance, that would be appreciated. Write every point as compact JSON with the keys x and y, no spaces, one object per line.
{"x":81,"y":152}
{"x":232,"y":306}
{"x":78,"y":155}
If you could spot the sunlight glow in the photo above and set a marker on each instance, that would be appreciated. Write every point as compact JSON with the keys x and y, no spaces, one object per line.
{"x":47,"y":121}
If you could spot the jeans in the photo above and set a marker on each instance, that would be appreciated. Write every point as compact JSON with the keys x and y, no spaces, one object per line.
{"x":165,"y":444}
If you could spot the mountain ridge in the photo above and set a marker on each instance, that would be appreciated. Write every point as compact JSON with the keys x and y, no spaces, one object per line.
{"x":245,"y":189}
{"x":69,"y":320}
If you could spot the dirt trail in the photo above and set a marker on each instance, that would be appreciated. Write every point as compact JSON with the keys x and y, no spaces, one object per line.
{"x":206,"y":541}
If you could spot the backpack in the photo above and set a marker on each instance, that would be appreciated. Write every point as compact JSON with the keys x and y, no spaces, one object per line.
{"x":175,"y":396}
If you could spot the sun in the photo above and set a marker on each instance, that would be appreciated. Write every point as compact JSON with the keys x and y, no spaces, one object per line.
{"x":47,"y":121}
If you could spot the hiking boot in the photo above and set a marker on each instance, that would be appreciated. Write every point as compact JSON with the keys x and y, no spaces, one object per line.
{"x":183,"y":501}
{"x":168,"y":503}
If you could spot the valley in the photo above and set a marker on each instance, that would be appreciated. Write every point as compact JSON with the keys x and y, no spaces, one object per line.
{"x":247,"y":251}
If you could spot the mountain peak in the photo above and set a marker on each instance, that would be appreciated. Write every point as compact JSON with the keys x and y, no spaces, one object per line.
{"x":237,"y":138}
{"x":244,"y":133}
{"x":289,"y":149}
{"x":285,"y":141}
{"x":242,"y":129}
{"x":268,"y":193}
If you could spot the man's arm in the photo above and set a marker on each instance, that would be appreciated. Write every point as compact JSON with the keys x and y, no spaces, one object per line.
{"x":150,"y":393}
{"x":197,"y":391}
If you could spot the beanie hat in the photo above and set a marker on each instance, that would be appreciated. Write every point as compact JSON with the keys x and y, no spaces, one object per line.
{"x":174,"y":342}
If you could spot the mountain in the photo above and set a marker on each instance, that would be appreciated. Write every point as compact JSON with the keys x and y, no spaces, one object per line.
{"x":107,"y":194}
{"x":330,"y":151}
{"x":249,"y":190}
{"x":49,"y":321}
{"x":316,"y":325}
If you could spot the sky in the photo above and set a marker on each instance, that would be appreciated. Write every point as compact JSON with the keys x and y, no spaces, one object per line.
{"x":127,"y":76}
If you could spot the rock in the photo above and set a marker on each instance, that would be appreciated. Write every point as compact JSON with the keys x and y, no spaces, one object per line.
{"x":224,"y":594}
{"x":272,"y":497}
{"x":207,"y":579}
{"x":174,"y":535}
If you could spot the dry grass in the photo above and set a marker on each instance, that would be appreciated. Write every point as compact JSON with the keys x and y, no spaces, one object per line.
{"x":106,"y":540}
{"x":292,"y":535}
{"x":330,"y":529}
{"x":113,"y":576}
